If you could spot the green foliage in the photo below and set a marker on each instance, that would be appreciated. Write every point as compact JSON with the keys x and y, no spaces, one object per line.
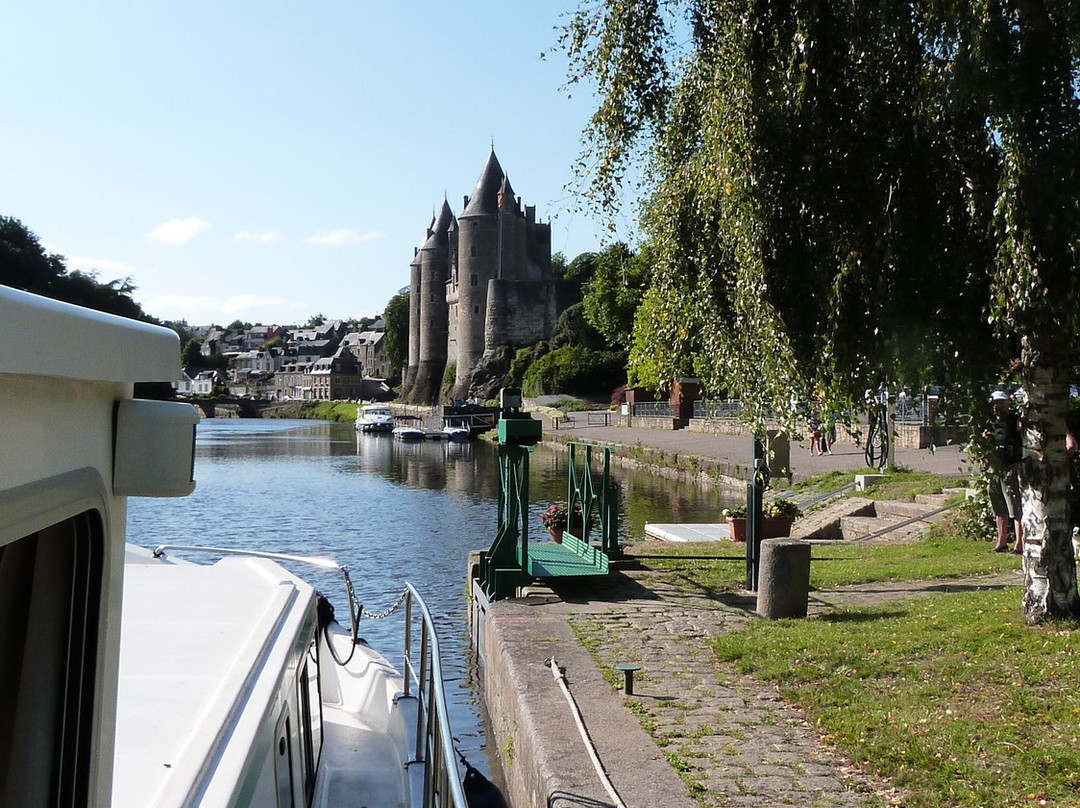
{"x":449,"y":374}
{"x":781,"y":265}
{"x":558,"y":265}
{"x":276,"y":342}
{"x":573,"y":369}
{"x":614,"y":292}
{"x":239,"y":325}
{"x":24,"y":264}
{"x":581,"y":268}
{"x":396,"y":318}
{"x":192,"y":356}
{"x":523,"y":358}
{"x":573,"y":329}
{"x":314,"y":321}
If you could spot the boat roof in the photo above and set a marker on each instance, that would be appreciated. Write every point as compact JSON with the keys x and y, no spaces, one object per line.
{"x":42,"y":337}
{"x":201,"y":647}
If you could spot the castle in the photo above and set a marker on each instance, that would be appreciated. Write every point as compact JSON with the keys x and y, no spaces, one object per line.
{"x":480,"y":282}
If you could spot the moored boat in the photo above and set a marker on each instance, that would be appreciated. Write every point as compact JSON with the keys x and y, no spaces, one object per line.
{"x":407,"y":428}
{"x":374,"y":418}
{"x":141,"y":678}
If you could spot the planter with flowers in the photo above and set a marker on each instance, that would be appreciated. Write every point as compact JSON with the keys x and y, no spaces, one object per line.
{"x":557,"y":519}
{"x":779,"y":515}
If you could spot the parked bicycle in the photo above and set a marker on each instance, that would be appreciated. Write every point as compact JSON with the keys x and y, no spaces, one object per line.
{"x":877,"y":436}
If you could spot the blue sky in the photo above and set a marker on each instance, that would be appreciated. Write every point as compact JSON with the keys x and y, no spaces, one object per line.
{"x":269,"y":161}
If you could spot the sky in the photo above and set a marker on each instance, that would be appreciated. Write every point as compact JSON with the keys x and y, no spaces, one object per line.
{"x":272,"y":161}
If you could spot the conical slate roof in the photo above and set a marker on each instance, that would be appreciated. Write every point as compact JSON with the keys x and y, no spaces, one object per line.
{"x":485,"y":196}
{"x":440,"y":228}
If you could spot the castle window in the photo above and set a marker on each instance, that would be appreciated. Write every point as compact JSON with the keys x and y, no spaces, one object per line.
{"x":473,"y":279}
{"x":475,"y":309}
{"x":472,"y":251}
{"x":432,"y":297}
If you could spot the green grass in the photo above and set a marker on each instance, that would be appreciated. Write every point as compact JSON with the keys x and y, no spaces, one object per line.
{"x":330,"y":411}
{"x":899,"y":484}
{"x":952,"y":697}
{"x":940,"y":555}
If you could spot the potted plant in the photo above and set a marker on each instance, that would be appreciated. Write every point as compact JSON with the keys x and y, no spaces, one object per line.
{"x":778,"y":516}
{"x":558,"y":519}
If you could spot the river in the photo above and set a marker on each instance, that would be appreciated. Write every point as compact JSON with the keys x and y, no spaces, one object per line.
{"x":391,"y":511}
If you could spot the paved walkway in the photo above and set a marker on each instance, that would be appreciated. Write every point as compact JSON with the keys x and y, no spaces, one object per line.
{"x":734,"y":739}
{"x":734,"y":448}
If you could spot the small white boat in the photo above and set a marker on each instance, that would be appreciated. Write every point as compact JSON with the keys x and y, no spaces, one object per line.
{"x":134,"y":678}
{"x":457,"y":431}
{"x":407,"y":428}
{"x":374,"y":418}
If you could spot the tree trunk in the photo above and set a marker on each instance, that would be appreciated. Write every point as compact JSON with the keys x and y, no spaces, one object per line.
{"x":1049,"y":564}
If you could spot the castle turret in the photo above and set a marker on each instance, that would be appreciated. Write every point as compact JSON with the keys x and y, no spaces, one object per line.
{"x":478,"y":262}
{"x":414,"y":325}
{"x":434,"y":273}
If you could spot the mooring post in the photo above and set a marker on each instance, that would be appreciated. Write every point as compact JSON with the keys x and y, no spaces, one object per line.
{"x":755,"y":490}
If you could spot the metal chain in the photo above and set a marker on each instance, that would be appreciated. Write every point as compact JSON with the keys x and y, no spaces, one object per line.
{"x":381,"y":615}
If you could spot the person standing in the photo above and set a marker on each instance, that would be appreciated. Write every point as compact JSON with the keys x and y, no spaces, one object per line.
{"x":1005,"y":453}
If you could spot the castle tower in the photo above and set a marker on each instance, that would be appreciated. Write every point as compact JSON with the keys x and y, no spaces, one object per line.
{"x":414,"y":323}
{"x":434,"y":273}
{"x":478,"y":262}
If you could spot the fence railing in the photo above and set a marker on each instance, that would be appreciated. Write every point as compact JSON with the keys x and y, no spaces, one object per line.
{"x":652,"y":409}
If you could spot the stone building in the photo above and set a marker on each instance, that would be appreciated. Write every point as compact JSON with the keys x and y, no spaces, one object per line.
{"x":480,"y":282}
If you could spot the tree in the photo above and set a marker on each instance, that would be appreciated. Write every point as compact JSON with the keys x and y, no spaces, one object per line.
{"x":192,"y":356}
{"x":614,"y":293}
{"x":315,"y":321}
{"x":24,"y":264}
{"x":821,"y":185}
{"x":396,"y":318}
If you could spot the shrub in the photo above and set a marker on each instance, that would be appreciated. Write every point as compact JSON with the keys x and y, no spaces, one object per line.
{"x":574,"y":370}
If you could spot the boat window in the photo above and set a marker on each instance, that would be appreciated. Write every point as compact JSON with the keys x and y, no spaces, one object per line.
{"x":283,"y":761}
{"x":310,"y":721}
{"x":50,"y":603}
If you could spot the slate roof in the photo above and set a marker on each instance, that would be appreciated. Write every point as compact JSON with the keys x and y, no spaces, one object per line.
{"x":485,"y":196}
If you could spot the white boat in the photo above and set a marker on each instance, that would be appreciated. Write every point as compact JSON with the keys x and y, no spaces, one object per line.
{"x":374,"y":418}
{"x":135,"y":678}
{"x":406,"y":428}
{"x":457,"y":431}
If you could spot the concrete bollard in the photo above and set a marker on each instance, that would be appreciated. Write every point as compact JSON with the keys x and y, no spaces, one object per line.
{"x":783,"y":578}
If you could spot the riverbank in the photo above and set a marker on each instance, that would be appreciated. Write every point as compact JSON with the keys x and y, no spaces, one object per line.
{"x":724,"y":460}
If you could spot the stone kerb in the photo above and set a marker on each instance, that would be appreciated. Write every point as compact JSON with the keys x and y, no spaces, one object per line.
{"x":783,"y":578}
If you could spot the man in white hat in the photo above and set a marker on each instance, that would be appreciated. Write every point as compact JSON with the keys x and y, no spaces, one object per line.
{"x":1004,"y":455}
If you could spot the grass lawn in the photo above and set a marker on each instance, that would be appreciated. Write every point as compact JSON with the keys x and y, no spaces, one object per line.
{"x":951,"y":696}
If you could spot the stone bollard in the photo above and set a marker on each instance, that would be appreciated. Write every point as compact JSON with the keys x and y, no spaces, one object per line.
{"x":783,"y":578}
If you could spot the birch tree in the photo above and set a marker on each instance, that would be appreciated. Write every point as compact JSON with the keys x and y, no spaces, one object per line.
{"x":838,"y":194}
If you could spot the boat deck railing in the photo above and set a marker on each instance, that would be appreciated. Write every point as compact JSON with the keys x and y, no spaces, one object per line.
{"x":434,"y":740}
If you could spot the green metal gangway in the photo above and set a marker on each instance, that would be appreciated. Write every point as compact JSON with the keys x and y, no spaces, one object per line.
{"x":511,"y":561}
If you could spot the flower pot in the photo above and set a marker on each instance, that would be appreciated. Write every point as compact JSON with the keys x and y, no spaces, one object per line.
{"x":770,"y":528}
{"x":556,"y":535}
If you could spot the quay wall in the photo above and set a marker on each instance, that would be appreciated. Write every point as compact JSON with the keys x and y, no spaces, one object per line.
{"x":542,"y":754}
{"x":681,"y":467}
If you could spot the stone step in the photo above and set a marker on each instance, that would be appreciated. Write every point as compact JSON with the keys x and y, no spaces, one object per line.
{"x":901,"y":510}
{"x":934,"y":500}
{"x":855,"y":527}
{"x":859,"y":527}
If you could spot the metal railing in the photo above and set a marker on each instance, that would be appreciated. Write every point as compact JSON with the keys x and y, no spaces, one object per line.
{"x":434,"y":740}
{"x":725,"y":410}
{"x":652,"y":409}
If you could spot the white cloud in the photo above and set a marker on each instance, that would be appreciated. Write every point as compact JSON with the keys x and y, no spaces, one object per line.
{"x":345,"y":237}
{"x":206,"y":308}
{"x":177,"y":231}
{"x":256,"y":238}
{"x":106,"y":268}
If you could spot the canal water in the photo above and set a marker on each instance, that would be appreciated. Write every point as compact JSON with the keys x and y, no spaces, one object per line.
{"x":391,"y":511}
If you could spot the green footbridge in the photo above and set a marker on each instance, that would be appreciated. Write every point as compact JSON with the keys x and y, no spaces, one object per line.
{"x":512,"y":561}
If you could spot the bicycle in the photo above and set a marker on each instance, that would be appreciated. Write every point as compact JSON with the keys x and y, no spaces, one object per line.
{"x":877,"y":436}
